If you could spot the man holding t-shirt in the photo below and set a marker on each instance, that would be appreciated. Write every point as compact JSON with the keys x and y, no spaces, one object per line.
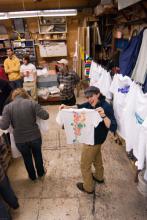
{"x":91,"y":154}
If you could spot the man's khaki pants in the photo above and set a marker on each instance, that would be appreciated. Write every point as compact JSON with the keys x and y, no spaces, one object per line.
{"x":91,"y":155}
{"x":31,"y":88}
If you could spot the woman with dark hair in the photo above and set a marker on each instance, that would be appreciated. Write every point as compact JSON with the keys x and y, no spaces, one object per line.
{"x":29,"y":73}
{"x":22,"y":113}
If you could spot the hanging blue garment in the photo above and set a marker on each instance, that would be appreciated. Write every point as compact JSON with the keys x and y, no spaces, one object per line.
{"x":129,"y":54}
{"x":144,"y":87}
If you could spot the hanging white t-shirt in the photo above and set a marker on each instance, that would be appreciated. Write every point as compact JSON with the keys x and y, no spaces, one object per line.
{"x":144,"y":125}
{"x":135,"y":114}
{"x":120,"y":88}
{"x":142,"y":148}
{"x":94,"y":72}
{"x":103,"y":83}
{"x":128,"y":116}
{"x":140,"y":69}
{"x":28,"y":68}
{"x":101,"y":79}
{"x":79,"y":124}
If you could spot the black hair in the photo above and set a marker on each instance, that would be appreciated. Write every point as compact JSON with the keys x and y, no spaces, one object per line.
{"x":10,"y":48}
{"x":26,"y":57}
{"x":102,"y":97}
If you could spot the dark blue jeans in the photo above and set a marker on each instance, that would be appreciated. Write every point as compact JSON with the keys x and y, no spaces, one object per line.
{"x":4,"y":212}
{"x":30,"y":150}
{"x":16,"y":84}
{"x":8,"y":194}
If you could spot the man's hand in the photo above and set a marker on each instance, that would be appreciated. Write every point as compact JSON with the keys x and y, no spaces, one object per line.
{"x":61,"y":87}
{"x":100,"y":110}
{"x":136,"y":176}
{"x":62,"y":107}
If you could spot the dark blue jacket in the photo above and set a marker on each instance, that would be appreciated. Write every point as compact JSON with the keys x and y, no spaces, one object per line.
{"x":101,"y":130}
{"x":145,"y":85}
{"x":129,"y":55}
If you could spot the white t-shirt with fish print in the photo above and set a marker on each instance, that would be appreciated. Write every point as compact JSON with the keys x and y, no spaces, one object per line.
{"x":79,"y":124}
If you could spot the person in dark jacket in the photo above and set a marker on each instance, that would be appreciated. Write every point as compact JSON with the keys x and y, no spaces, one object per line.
{"x":6,"y":190}
{"x":92,"y":154}
{"x":5,"y":91}
{"x":21,"y":114}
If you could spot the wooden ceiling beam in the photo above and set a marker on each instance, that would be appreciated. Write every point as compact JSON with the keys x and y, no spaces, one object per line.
{"x":125,"y":15}
{"x":16,"y":5}
{"x":93,"y":3}
{"x":143,"y":7}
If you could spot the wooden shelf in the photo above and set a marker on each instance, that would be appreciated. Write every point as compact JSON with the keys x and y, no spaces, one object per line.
{"x":46,"y":33}
{"x":53,"y":24}
{"x":23,"y":40}
{"x":52,"y":27}
{"x":52,"y":39}
{"x":53,"y":32}
{"x":55,"y":56}
{"x":25,"y":46}
{"x":22,"y":47}
{"x":5,"y":48}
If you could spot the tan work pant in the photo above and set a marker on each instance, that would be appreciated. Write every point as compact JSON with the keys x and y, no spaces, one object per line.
{"x":31,"y":88}
{"x":91,"y":155}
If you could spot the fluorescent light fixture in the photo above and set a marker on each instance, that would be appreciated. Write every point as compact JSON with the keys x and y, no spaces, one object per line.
{"x":23,"y":14}
{"x":61,"y":12}
{"x":3,"y":16}
{"x":38,"y":13}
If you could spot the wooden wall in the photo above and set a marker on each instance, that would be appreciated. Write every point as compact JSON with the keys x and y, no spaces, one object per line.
{"x":32,"y":26}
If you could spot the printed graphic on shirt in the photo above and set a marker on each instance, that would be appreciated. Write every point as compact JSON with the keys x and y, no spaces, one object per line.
{"x":78,"y":123}
{"x":120,"y":87}
{"x":139,"y":120}
{"x":134,"y":115}
{"x":124,"y":89}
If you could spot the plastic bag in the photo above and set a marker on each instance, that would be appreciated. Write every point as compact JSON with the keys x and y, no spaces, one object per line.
{"x":43,"y":125}
{"x":14,"y":150}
